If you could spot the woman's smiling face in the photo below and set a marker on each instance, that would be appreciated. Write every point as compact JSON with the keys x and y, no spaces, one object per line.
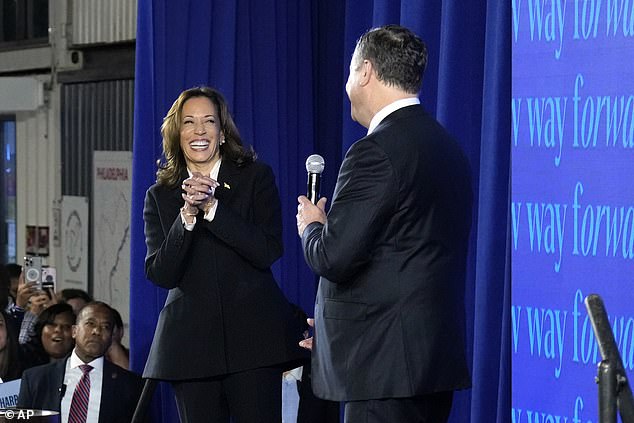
{"x":57,"y":338}
{"x":200,"y":133}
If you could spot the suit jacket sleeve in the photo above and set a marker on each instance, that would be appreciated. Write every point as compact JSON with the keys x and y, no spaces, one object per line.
{"x":25,"y":397}
{"x":120,"y":394}
{"x":165,"y":261}
{"x":257,"y":239}
{"x":364,"y":199}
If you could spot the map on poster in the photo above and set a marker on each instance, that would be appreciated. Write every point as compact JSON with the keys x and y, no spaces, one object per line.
{"x":112,"y":178}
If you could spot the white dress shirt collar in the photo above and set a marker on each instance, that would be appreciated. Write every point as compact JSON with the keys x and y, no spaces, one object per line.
{"x":392,"y":107}
{"x":75,"y":361}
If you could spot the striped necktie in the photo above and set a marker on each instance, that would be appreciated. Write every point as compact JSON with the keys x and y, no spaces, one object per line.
{"x":79,"y":404}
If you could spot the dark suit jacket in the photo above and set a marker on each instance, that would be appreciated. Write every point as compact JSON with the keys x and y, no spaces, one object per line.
{"x":224,"y":312}
{"x":389,"y":314}
{"x":42,"y":388}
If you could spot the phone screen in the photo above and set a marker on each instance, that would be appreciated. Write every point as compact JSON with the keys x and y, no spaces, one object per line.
{"x":49,"y":276}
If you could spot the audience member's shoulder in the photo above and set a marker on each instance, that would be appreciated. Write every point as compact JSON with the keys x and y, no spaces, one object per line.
{"x":41,"y":369}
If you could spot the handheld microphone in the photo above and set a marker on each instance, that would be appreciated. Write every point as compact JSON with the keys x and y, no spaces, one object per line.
{"x":314,"y":167}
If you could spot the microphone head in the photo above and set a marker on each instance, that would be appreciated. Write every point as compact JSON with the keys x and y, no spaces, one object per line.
{"x":315,"y":164}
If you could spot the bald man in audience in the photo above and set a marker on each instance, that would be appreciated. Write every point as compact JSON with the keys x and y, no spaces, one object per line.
{"x":85,"y":387}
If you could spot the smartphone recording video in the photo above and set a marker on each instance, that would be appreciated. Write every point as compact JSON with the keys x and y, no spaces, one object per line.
{"x":33,"y":269}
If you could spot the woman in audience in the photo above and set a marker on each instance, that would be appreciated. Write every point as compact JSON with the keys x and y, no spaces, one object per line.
{"x":10,"y":365}
{"x":118,"y":353}
{"x":53,"y":338}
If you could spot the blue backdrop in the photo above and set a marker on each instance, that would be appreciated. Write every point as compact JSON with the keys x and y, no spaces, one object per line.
{"x":282,"y":65}
{"x":572,"y":200}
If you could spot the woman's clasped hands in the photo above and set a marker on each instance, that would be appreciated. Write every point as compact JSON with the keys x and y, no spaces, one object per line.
{"x":198,"y":193}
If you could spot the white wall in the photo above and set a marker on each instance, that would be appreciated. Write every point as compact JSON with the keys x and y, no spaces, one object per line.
{"x":38,"y":171}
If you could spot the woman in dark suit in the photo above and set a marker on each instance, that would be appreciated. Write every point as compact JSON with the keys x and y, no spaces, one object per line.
{"x":213,"y":228}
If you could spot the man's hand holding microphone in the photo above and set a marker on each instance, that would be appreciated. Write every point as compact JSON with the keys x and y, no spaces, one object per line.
{"x":310,"y":210}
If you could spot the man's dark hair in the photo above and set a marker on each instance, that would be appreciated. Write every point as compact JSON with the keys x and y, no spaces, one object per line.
{"x":107,"y":306}
{"x":118,"y":321}
{"x":14,"y":270}
{"x":397,"y":54}
{"x":71,"y":293}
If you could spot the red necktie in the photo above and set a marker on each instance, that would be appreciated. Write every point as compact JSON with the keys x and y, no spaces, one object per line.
{"x":79,"y":404}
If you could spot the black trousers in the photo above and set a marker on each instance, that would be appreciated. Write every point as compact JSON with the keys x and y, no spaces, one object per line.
{"x":312,"y":409}
{"x":252,"y":396}
{"x":431,"y":408}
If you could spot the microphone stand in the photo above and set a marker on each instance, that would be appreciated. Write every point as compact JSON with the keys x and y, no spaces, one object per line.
{"x":614,"y":389}
{"x":608,"y":392}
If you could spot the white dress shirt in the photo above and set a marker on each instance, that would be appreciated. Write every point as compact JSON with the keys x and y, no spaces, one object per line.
{"x":211,"y":213}
{"x":392,"y":107}
{"x":71,"y":378}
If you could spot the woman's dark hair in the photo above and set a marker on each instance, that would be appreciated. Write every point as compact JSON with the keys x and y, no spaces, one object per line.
{"x":14,"y":270}
{"x":170,"y":170}
{"x":5,"y":283}
{"x":48,"y":315}
{"x":11,"y":365}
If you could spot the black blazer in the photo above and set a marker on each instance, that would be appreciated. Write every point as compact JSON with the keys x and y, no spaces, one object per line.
{"x":224,"y":312}
{"x":42,"y":388}
{"x":389,"y":314}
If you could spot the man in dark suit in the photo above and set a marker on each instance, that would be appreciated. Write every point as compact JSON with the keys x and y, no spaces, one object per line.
{"x":391,"y":252}
{"x":112,"y":391}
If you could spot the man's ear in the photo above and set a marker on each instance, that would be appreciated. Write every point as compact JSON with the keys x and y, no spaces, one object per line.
{"x":366,"y":74}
